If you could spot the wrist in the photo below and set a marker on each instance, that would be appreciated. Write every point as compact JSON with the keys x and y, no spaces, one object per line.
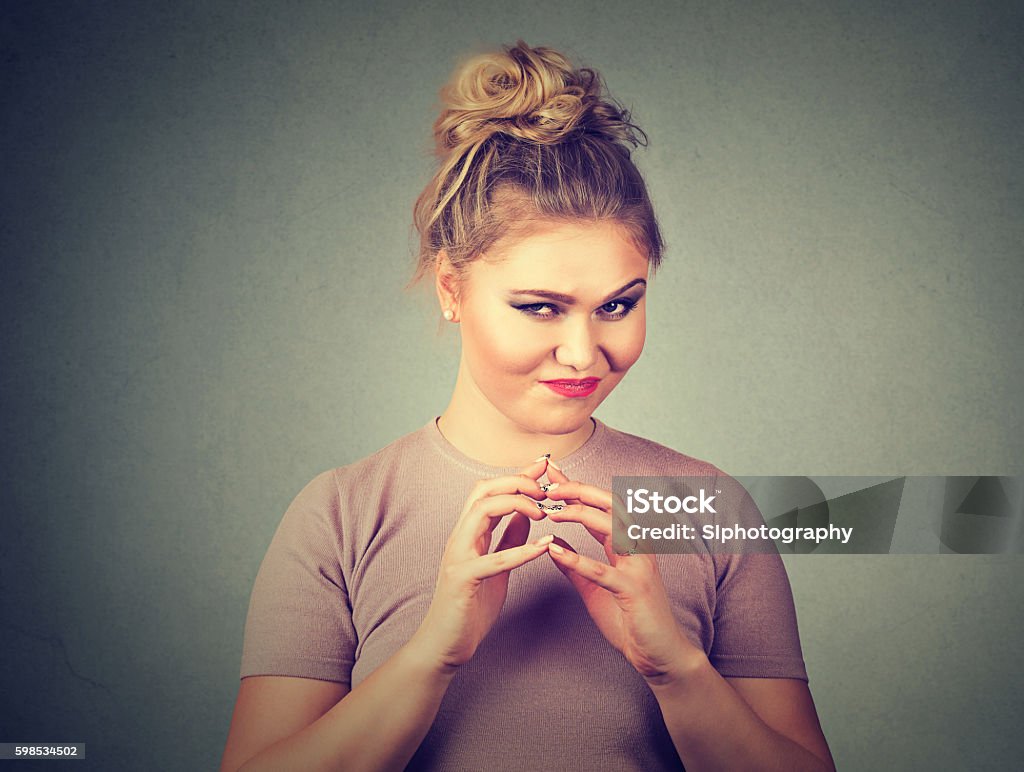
{"x":423,"y":658}
{"x":689,"y":666}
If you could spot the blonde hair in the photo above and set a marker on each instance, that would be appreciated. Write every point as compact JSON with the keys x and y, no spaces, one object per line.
{"x":525,"y":139}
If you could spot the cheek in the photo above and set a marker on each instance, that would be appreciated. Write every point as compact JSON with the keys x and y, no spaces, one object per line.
{"x":498,"y":344}
{"x":627,"y":344}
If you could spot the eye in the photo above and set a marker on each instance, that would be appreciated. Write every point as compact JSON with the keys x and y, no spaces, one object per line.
{"x":616,"y":309}
{"x":540,"y":310}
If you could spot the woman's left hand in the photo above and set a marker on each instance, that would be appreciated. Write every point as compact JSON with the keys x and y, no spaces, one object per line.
{"x":625,"y":597}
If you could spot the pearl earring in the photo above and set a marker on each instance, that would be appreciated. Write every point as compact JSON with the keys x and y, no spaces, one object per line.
{"x":449,"y":314}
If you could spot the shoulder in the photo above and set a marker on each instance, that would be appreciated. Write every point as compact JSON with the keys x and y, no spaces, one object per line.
{"x":326,"y":499}
{"x":394,"y":461}
{"x":635,"y":455}
{"x":390,"y":468}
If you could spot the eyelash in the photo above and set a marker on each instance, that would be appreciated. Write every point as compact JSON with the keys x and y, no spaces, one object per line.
{"x":532,"y":309}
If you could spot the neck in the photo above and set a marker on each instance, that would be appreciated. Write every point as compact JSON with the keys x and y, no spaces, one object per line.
{"x":477,"y":429}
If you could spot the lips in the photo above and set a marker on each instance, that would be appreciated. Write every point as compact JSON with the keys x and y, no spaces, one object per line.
{"x":566,"y":387}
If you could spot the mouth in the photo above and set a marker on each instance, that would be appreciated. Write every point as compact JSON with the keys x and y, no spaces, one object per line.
{"x":583,"y":387}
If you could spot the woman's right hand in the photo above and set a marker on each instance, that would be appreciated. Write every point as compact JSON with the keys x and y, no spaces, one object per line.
{"x":472,"y":581}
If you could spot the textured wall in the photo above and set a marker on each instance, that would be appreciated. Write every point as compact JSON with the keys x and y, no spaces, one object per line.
{"x":206,"y":230}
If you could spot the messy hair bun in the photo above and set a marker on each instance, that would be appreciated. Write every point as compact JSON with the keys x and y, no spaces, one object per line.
{"x":531,"y":94}
{"x":523,"y":139}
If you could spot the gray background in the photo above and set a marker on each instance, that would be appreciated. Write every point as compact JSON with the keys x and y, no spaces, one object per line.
{"x":206,"y":231}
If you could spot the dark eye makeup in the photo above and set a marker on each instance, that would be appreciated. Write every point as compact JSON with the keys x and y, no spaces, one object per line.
{"x":613,"y":309}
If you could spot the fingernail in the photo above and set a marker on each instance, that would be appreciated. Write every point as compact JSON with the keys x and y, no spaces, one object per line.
{"x":541,"y":458}
{"x":545,"y":540}
{"x":556,"y":549}
{"x":552,"y":463}
{"x":551,"y":486}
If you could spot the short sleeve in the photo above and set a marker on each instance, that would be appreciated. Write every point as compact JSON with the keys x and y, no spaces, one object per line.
{"x":756,"y":634}
{"x":299,"y":621}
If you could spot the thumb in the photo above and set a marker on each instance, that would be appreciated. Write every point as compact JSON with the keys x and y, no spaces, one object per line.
{"x":535,"y":469}
{"x":555,"y":474}
{"x":584,"y":587}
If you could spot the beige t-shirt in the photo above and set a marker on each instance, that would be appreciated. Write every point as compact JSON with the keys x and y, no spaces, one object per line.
{"x":350,"y":573}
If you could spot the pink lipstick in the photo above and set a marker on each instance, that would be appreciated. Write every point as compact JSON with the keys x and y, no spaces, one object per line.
{"x":573,"y":388}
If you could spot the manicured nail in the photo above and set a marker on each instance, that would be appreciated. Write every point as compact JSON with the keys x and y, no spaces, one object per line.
{"x":541,"y":458}
{"x":545,"y":540}
{"x":552,"y":463}
{"x":556,"y":549}
{"x":550,"y":486}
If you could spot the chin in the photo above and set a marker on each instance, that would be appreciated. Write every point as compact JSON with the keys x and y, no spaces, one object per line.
{"x":556,"y":424}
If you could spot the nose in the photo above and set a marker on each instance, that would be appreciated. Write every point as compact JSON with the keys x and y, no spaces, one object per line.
{"x":578,"y":344}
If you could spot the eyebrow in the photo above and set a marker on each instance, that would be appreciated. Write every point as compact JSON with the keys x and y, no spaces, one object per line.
{"x":569,"y":299}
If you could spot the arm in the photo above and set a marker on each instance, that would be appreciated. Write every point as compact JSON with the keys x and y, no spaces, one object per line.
{"x":298,"y":723}
{"x":714,"y":722}
{"x":302,"y":723}
{"x":741,"y":723}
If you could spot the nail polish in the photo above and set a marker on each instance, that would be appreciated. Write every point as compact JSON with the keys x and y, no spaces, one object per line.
{"x":541,"y":458}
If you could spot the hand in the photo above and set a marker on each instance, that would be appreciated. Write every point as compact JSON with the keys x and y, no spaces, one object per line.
{"x":625,"y":597}
{"x":472,"y":581}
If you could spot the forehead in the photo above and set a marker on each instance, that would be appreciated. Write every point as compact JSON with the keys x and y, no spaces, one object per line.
{"x":587,"y":254}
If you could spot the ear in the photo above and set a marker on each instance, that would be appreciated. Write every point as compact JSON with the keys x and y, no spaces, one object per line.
{"x":446,"y":283}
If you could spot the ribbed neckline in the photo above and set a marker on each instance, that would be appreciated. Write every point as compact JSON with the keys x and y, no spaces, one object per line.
{"x":594,"y":443}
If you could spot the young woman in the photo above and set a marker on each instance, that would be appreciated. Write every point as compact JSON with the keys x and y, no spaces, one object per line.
{"x":386,"y":632}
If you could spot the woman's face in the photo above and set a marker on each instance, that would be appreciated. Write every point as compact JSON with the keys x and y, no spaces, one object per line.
{"x":553,"y":323}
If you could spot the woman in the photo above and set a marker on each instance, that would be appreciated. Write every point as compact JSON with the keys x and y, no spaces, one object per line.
{"x":384,"y":631}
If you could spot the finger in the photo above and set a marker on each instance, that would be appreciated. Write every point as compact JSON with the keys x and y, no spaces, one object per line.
{"x":601,"y":574}
{"x":597,"y":521}
{"x":525,"y":482}
{"x":502,"y":561}
{"x":555,"y":474}
{"x":586,"y":588}
{"x":474,"y":531}
{"x":516,"y":533}
{"x":590,"y":495}
{"x":557,"y":478}
{"x":604,"y":500}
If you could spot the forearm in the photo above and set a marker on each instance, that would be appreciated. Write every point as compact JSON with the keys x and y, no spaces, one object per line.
{"x":714,"y":728}
{"x":377,"y":726}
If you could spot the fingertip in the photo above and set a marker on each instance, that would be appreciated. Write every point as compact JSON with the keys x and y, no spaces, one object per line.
{"x":535,"y":470}
{"x":549,"y":488}
{"x":539,"y":463}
